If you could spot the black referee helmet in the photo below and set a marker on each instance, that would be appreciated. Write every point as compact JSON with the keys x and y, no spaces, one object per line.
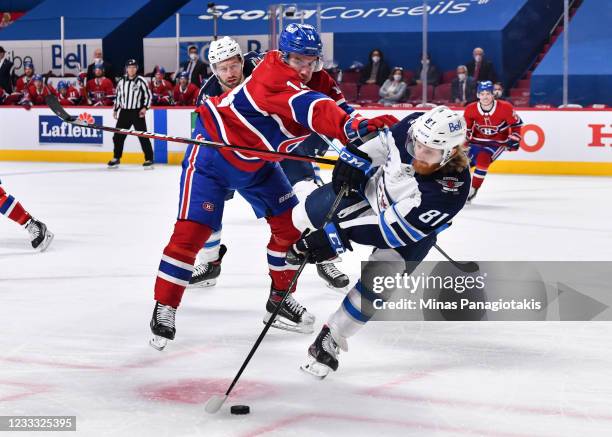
{"x":131,"y":62}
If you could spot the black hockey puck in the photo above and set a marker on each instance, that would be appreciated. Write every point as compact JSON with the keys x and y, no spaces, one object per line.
{"x":240,"y":409}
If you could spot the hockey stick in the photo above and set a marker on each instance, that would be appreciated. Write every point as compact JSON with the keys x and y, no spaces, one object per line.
{"x":466,"y":267}
{"x":59,"y":110}
{"x":216,"y":402}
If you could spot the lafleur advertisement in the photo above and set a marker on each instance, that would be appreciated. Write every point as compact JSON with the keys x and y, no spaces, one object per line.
{"x":52,"y":129}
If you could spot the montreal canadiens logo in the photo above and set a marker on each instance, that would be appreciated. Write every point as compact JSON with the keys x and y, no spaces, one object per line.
{"x":450,"y":184}
{"x":208,"y":206}
{"x":87,"y":118}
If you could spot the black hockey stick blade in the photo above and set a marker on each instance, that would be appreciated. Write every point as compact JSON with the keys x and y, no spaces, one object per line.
{"x":58,"y":109}
{"x":215,"y":402}
{"x":466,"y":267}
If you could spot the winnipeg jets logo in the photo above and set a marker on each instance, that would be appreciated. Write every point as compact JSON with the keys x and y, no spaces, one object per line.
{"x":450,"y":184}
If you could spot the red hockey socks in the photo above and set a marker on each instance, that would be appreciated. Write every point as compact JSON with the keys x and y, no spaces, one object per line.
{"x":483,"y":161}
{"x":284,"y":234}
{"x":176,"y":265}
{"x":12,"y":209}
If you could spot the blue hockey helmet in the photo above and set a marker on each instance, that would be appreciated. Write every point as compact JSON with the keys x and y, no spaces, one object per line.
{"x":160,"y":69}
{"x":62,"y":85}
{"x":183,"y":75}
{"x":99,"y":66}
{"x":28,"y":64}
{"x":302,"y":39}
{"x":37,"y":77}
{"x":486,"y":85}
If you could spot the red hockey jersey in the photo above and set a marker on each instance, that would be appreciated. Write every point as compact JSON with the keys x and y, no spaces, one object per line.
{"x":493,"y":126}
{"x":72,"y":97}
{"x":187,"y":96}
{"x":322,"y":82}
{"x":271,"y":110}
{"x":23,"y":83}
{"x":162,"y":92}
{"x":100,"y":91}
{"x":37,"y":96}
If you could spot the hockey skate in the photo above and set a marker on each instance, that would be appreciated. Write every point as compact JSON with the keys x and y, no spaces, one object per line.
{"x":473,"y":192}
{"x":114,"y":163}
{"x":205,"y":275}
{"x":291,"y":317}
{"x":334,"y":278}
{"x":148,"y":165}
{"x":323,"y":355}
{"x":40,"y":236}
{"x":162,"y":325}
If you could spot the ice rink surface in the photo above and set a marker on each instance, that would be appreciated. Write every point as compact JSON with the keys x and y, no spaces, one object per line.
{"x":75,"y":322}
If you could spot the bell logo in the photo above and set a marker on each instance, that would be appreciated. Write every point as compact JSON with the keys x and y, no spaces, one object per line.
{"x":597,"y":135}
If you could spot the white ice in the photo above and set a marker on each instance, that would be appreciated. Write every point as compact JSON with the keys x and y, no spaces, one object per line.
{"x":74,"y":322}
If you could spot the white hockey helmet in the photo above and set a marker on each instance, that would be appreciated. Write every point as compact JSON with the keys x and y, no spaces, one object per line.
{"x":440,"y":130}
{"x":222,"y":49}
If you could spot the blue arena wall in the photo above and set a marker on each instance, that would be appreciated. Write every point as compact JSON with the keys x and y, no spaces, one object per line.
{"x":455,"y":28}
{"x":590,"y":63}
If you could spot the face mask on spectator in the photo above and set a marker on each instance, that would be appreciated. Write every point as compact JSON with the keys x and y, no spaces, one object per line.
{"x":461,"y":76}
{"x":193,"y":56}
{"x":497,"y":93}
{"x":375,"y":59}
{"x":97,"y":60}
{"x":478,"y":58}
{"x":397,"y":77}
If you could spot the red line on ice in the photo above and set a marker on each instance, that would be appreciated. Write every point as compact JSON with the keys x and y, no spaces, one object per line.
{"x":32,"y":389}
{"x":382,"y":392}
{"x":135,"y":365}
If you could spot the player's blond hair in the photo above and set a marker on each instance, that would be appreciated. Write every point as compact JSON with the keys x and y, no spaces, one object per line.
{"x":458,"y":162}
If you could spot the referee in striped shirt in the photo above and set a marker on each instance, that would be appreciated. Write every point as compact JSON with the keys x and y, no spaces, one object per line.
{"x":131,"y":104}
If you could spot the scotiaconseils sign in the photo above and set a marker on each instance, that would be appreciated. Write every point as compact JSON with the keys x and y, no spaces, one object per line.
{"x":346,"y":12}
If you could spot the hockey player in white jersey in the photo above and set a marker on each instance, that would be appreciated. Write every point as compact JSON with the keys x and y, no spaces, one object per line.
{"x":409,"y":183}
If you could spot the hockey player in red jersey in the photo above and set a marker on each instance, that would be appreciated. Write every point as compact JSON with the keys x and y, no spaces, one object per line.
{"x":20,"y":94}
{"x":23,"y":82}
{"x":161,"y":88}
{"x":493,"y":127}
{"x":38,"y":91}
{"x":100,"y":90}
{"x":185,"y":92}
{"x":67,"y":94}
{"x":230,"y":68}
{"x":40,"y":236}
{"x":271,"y":110}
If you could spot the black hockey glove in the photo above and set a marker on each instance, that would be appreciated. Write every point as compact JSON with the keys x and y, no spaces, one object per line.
{"x":514,"y":143}
{"x":351,"y":168}
{"x":323,"y":244}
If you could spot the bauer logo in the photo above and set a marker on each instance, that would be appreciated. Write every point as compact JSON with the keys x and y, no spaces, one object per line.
{"x":52,"y":129}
